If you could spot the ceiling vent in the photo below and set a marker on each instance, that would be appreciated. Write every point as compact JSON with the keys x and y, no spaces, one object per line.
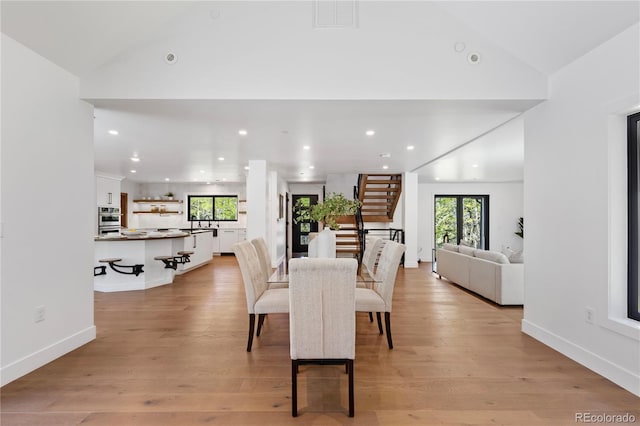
{"x":335,"y":14}
{"x":170,"y":58}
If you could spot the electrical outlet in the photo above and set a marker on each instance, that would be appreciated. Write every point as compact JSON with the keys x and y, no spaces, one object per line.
{"x":589,"y":315}
{"x":39,"y":314}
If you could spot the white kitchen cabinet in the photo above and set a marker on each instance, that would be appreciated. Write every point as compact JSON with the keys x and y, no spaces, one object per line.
{"x":107,"y":191}
{"x":227,"y":237}
{"x":202,"y":247}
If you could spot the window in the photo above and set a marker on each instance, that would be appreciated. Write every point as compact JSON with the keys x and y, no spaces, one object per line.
{"x":462,"y":217}
{"x":633,"y":159}
{"x":213,"y":207}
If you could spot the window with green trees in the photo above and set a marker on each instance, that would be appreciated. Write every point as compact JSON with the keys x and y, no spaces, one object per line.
{"x":213,"y":207}
{"x":461,"y":217}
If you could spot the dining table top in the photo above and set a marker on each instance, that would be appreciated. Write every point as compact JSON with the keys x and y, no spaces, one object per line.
{"x":281,"y":276}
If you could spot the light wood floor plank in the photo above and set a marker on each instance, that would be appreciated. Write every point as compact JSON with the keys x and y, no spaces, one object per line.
{"x":175,"y":355}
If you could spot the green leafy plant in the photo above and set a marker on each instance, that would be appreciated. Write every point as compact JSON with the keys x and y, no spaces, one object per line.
{"x":327,"y":211}
{"x":169,"y":194}
{"x":520,"y":231}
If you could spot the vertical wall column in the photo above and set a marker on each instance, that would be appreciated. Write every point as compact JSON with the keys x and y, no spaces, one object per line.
{"x":410,"y":219}
{"x":257,"y":203}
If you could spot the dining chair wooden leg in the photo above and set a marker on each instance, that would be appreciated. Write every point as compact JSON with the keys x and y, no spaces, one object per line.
{"x":370,"y":316}
{"x":294,"y":388}
{"x":351,"y":398}
{"x":379,"y":322}
{"x":260,"y":322}
{"x":252,"y":321}
{"x":387,"y":321}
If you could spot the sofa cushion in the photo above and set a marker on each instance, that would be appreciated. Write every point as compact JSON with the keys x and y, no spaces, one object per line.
{"x":493,"y":256}
{"x":517,"y":257}
{"x":450,"y":247}
{"x":466,"y":250}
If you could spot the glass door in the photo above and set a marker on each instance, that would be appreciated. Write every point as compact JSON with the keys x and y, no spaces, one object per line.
{"x":300,"y":231}
{"x":461,"y":218}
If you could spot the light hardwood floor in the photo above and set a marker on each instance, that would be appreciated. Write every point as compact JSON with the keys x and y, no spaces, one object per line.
{"x":175,"y":355}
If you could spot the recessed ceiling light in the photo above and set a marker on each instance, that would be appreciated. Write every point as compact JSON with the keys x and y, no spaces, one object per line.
{"x":113,"y":132}
{"x":135,"y":159}
{"x":224,"y":179}
{"x":385,"y":167}
{"x":246,"y":167}
{"x":167,"y":179}
{"x":307,"y":147}
{"x":312,"y":167}
{"x":201,"y":171}
{"x":370,"y":132}
{"x":133,"y":171}
{"x":474,"y":165}
{"x":208,"y":183}
{"x":437,"y":178}
{"x":242,"y":132}
{"x":410,"y":148}
{"x":220,"y":158}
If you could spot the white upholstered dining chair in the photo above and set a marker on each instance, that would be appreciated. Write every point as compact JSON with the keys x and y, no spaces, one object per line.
{"x":378,"y":299}
{"x":265,"y":261}
{"x":260,"y":299}
{"x":322,"y":327}
{"x":370,"y":255}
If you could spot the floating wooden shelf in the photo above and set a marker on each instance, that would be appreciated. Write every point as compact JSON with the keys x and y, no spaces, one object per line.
{"x":148,"y":212}
{"x":157,"y":201}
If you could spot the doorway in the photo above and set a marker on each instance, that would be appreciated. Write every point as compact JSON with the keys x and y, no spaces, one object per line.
{"x":124,"y":209}
{"x":300,"y":231}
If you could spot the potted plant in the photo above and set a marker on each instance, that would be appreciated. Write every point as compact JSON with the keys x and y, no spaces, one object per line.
{"x":327,"y":211}
{"x":169,"y":195}
{"x":520,"y":231}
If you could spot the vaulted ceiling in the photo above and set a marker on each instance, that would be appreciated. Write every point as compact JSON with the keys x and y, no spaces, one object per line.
{"x":302,"y":74}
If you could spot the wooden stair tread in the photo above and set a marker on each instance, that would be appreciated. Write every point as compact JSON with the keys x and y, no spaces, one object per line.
{"x":383,"y":182}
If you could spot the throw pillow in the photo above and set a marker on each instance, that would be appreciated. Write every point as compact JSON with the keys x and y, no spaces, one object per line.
{"x":517,"y":257}
{"x":507,"y":251}
{"x":466,"y":250}
{"x":493,"y":256}
{"x":450,"y":247}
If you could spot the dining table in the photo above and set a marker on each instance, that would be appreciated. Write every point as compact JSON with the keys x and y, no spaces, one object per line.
{"x":280,"y":275}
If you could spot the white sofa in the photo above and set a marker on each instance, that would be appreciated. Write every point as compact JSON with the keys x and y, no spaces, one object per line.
{"x":489,"y":274}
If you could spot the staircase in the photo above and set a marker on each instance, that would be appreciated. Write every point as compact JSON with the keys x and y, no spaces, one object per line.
{"x":379,"y":195}
{"x":347,"y":238}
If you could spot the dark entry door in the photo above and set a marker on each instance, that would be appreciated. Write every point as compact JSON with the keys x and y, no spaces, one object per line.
{"x":300,"y":231}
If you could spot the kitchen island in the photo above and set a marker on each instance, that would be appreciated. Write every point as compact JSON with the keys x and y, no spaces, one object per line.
{"x":141,"y":248}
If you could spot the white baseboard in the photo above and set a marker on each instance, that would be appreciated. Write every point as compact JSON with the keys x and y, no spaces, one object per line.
{"x":25,"y":365}
{"x":617,"y":374}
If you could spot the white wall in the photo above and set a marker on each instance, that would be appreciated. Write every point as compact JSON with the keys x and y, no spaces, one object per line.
{"x":47,"y":259}
{"x":574,"y":209}
{"x":505,"y":207}
{"x":277,"y":227}
{"x":341,"y":184}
